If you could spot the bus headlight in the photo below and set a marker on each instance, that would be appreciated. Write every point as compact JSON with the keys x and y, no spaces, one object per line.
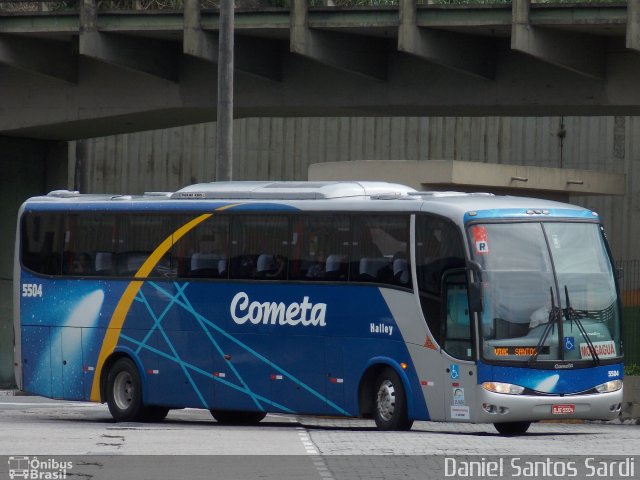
{"x":499,"y":387}
{"x":611,"y":386}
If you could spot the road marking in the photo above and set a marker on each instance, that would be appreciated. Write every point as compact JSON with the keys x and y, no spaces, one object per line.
{"x":308,"y":445}
{"x":312,"y":450}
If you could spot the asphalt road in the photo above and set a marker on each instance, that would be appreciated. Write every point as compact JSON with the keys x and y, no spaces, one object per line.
{"x":74,"y":440}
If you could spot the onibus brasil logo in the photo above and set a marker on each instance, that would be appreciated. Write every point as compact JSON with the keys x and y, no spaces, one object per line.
{"x":37,"y":469}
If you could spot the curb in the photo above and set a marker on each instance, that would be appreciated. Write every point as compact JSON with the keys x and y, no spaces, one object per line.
{"x":13,"y":393}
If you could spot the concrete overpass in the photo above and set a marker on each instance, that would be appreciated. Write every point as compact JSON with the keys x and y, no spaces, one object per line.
{"x":85,"y":73}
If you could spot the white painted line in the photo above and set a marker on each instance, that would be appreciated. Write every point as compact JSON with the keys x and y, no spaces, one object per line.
{"x":310,"y":448}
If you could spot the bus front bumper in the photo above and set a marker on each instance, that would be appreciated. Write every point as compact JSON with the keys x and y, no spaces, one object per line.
{"x":497,"y":408}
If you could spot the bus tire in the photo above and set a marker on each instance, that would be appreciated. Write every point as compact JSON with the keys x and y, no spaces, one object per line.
{"x":235,"y":417}
{"x":124,"y":391}
{"x":512,"y":428}
{"x":154,"y":413}
{"x":390,"y":402}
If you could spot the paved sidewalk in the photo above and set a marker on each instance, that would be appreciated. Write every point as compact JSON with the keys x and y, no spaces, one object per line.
{"x":359,"y":437}
{"x":12,"y":393}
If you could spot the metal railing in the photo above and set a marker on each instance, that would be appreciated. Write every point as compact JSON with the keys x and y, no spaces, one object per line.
{"x":30,"y":6}
{"x":376,"y":3}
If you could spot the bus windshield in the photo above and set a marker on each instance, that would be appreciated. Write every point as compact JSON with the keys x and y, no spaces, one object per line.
{"x":549,"y":292}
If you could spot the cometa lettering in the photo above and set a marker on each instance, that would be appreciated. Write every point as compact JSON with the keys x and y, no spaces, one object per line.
{"x":305,"y":313}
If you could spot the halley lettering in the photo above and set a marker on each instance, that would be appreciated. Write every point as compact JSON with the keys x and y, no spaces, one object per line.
{"x":381,"y":328}
{"x":271,"y":313}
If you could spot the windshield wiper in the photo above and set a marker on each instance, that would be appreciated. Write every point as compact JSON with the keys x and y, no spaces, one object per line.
{"x":555,"y":316}
{"x":573,"y":316}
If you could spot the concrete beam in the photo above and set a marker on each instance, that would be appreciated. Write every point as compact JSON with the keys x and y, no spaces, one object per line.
{"x":49,"y":58}
{"x":474,"y":176}
{"x":195,"y":41}
{"x":358,"y":54}
{"x":579,"y":53}
{"x":633,"y":24}
{"x":468,"y":54}
{"x":99,"y":105}
{"x":259,"y":57}
{"x":153,"y":57}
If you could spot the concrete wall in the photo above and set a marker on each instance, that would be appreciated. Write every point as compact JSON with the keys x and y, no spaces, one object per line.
{"x":631,"y":400}
{"x":28,"y":168}
{"x":283,"y":149}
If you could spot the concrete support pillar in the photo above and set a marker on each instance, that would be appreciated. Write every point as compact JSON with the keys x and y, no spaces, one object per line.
{"x":633,"y":24}
{"x":153,"y":57}
{"x":353,"y":53}
{"x":468,"y":54}
{"x":30,"y":167}
{"x":196,"y":42}
{"x":579,"y":53}
{"x":256,"y":56}
{"x":224,"y":125}
{"x":50,"y":58}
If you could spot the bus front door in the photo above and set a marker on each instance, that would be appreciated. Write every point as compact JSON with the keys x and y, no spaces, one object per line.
{"x":459,"y":369}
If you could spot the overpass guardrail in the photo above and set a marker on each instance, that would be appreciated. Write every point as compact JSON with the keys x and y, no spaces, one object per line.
{"x":54,"y":6}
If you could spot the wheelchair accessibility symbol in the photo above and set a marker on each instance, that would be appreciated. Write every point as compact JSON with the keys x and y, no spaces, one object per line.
{"x":569,"y":343}
{"x":455,"y":372}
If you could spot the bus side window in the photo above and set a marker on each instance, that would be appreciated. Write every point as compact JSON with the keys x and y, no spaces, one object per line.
{"x":42,"y":242}
{"x":320,"y":248}
{"x":260,"y":247}
{"x":204,"y":251}
{"x":380,"y":250}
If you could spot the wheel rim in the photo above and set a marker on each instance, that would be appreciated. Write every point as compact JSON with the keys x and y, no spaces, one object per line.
{"x":123,"y":390}
{"x":386,"y":400}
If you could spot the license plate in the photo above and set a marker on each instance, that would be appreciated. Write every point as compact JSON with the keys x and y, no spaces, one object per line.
{"x":563,"y":409}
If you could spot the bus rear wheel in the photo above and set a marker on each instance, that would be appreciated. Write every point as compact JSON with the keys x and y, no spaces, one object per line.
{"x":512,"y":428}
{"x":124,"y":391}
{"x":234,"y":417}
{"x":390,"y":402}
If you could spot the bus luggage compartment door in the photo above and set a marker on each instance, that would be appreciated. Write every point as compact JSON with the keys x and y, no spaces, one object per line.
{"x":67,"y":376}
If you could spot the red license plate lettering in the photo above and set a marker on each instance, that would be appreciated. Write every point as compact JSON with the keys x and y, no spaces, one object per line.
{"x":563,"y":409}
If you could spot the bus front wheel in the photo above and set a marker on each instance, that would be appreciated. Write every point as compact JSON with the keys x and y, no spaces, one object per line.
{"x":512,"y":428}
{"x":124,"y":391}
{"x":390,"y":401}
{"x":154,"y":413}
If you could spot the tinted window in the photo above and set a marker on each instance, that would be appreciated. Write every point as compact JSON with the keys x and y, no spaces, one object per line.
{"x":381,"y":249}
{"x":42,"y":241}
{"x":260,"y":247}
{"x":204,"y":251}
{"x":327,"y":247}
{"x":320,"y":250}
{"x":91,"y":244}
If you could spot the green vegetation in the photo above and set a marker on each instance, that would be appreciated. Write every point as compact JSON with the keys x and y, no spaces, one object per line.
{"x":631,"y":338}
{"x":633,"y":369}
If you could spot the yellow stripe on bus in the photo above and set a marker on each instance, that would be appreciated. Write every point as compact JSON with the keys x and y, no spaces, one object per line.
{"x":120,"y":313}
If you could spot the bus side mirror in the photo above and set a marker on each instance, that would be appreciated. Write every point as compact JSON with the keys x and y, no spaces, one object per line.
{"x":475,"y":297}
{"x":475,"y":286}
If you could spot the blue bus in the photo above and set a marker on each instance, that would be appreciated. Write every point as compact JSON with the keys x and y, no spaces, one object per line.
{"x":362,"y":299}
